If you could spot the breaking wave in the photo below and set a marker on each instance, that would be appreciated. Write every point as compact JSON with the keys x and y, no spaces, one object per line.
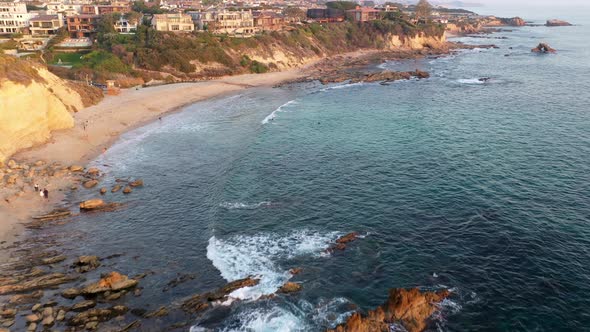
{"x":272,"y":115}
{"x":260,"y":256}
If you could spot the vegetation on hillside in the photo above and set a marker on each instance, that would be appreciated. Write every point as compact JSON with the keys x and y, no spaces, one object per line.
{"x":150,"y":54}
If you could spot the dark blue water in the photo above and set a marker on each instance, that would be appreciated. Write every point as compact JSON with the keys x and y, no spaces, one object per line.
{"x":480,"y":188}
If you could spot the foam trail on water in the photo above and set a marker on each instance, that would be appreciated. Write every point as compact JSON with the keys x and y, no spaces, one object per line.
{"x":259,"y":255}
{"x":243,"y":206}
{"x":343,"y":86}
{"x":272,"y":115}
{"x":470,"y":81}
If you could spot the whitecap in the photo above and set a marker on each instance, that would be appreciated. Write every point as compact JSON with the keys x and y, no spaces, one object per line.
{"x":243,"y":206}
{"x":470,"y":81}
{"x":274,"y":319}
{"x":259,"y":256}
{"x":272,"y":115}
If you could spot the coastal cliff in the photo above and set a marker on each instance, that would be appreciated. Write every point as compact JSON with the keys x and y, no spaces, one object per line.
{"x":34,"y":102}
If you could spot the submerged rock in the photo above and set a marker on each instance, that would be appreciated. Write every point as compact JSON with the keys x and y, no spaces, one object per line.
{"x":136,"y":183}
{"x":116,"y":188}
{"x":90,"y":184}
{"x":408,"y":307}
{"x":45,"y":281}
{"x":290,"y":287}
{"x":127,"y":190}
{"x":86,"y":263}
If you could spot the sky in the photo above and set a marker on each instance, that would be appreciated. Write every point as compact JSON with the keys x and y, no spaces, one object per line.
{"x":533,"y":9}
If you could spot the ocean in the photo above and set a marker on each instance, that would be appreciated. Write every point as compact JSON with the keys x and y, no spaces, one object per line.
{"x":480,"y":188}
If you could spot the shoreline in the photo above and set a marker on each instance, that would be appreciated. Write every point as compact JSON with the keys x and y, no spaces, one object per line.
{"x":114,"y":116}
{"x":137,"y":107}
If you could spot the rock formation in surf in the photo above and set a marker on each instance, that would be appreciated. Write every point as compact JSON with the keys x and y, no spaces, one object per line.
{"x":543,"y":48}
{"x":409,"y":307}
{"x":557,"y":23}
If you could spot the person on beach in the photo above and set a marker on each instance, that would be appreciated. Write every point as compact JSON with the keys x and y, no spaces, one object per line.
{"x":36,"y":187}
{"x":46,"y":193}
{"x":41,"y":193}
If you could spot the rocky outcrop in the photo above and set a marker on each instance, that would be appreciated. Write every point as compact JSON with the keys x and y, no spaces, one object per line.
{"x":384,"y":76}
{"x":112,"y":282}
{"x":557,"y":23}
{"x":408,"y":307}
{"x":290,"y":287}
{"x":543,"y":48}
{"x":342,"y":241}
{"x":514,"y":21}
{"x":33,"y":103}
{"x":200,"y":302}
{"x":92,"y":204}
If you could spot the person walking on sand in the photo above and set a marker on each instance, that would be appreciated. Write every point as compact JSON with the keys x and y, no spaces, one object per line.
{"x":36,"y":187}
{"x":41,"y":193}
{"x":46,"y":193}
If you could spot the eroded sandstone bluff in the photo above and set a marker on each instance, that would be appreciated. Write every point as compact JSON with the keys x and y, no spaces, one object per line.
{"x":408,"y":307}
{"x":34,"y":102}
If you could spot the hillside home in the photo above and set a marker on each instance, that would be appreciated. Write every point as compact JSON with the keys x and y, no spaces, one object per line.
{"x":269,"y":21}
{"x":363,"y":14}
{"x":46,"y":25}
{"x":234,"y":22}
{"x":84,"y":25}
{"x":14,"y":17}
{"x":173,"y":22}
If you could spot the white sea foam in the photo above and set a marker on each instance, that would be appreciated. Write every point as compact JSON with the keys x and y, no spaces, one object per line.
{"x":273,"y":115}
{"x":470,"y":81}
{"x":258,"y":255}
{"x":243,"y":206}
{"x":343,"y":86}
{"x":274,"y":319}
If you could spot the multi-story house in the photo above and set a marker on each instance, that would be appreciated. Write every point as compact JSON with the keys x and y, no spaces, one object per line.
{"x":234,"y":22}
{"x":363,"y":14}
{"x":173,"y":22}
{"x":202,"y":20}
{"x":83,"y":25}
{"x":269,"y":21}
{"x":125,"y":26}
{"x":67,"y":9}
{"x":14,"y":17}
{"x":46,"y":25}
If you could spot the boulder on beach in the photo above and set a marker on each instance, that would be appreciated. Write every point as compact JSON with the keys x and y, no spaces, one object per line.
{"x":76,"y":168}
{"x":92,"y":204}
{"x":543,"y":48}
{"x":408,"y":307}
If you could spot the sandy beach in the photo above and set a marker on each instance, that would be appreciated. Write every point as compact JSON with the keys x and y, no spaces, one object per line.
{"x":105,"y":122}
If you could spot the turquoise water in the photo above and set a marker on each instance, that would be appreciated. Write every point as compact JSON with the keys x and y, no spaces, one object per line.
{"x":480,"y":188}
